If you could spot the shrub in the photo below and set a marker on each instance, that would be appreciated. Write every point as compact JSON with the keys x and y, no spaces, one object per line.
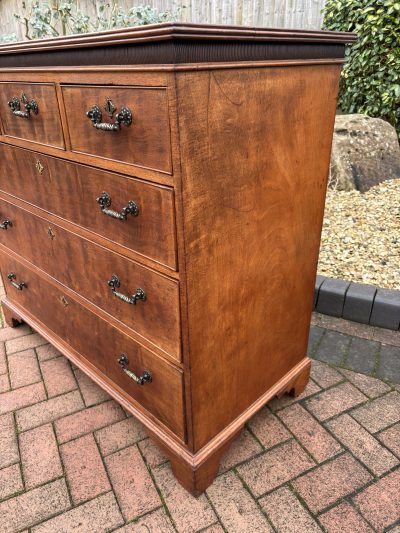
{"x":61,"y":17}
{"x":370,"y":81}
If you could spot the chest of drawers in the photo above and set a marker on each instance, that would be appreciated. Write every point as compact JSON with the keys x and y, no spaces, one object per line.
{"x":161,"y":201}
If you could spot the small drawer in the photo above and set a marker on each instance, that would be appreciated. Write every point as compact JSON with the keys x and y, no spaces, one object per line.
{"x":142,"y":299}
{"x":30,"y":111}
{"x":125,"y":124}
{"x":73,"y":192}
{"x":100,"y":343}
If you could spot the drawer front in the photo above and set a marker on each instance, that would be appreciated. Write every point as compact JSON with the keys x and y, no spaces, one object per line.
{"x":145,"y":141}
{"x":34,"y":114}
{"x":100,"y":343}
{"x":87,"y":268}
{"x":70,"y":191}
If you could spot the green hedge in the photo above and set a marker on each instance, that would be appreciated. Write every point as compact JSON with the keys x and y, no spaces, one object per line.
{"x":370,"y":81}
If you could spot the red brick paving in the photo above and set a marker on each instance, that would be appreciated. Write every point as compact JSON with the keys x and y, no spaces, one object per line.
{"x":132,"y":483}
{"x":344,"y":518}
{"x":84,"y":469}
{"x":391,"y":438}
{"x":39,"y":456}
{"x":235,"y":507}
{"x":58,"y":376}
{"x":310,"y":433}
{"x":332,"y":481}
{"x":71,"y":459}
{"x":380,"y":503}
{"x":363,"y":445}
{"x":287,"y":514}
{"x":23,"y":369}
{"x":275,"y":467}
{"x":334,"y":401}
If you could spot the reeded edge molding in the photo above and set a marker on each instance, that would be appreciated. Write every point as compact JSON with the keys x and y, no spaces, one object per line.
{"x":178,"y":31}
{"x":180,"y":67}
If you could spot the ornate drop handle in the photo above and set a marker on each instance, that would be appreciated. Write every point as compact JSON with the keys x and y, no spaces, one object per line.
{"x":114,"y":283}
{"x":7,"y":223}
{"x":123,"y":117}
{"x":140,"y":380}
{"x":15,"y":104}
{"x":19,"y":286}
{"x":104,"y":200}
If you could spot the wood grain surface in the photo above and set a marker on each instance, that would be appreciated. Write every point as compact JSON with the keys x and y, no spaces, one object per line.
{"x":43,"y":128}
{"x":86,"y":268}
{"x":255,"y":148}
{"x":70,"y":191}
{"x":99,"y":343}
{"x":146,"y":142}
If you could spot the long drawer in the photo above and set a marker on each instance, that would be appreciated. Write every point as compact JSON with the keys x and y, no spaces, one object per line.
{"x":30,"y":111}
{"x":73,"y":192}
{"x":100,"y":343}
{"x":145,"y":301}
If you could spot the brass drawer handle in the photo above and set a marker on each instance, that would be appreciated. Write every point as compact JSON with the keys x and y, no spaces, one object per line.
{"x":7,"y":223}
{"x":114,"y":283}
{"x":19,"y":286}
{"x":104,"y":200}
{"x":123,"y":117}
{"x":140,"y":380}
{"x":15,"y":104}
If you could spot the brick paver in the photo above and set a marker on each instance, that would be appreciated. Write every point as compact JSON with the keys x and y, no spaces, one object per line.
{"x":132,"y":482}
{"x":188,"y":513}
{"x":287,"y":514}
{"x":331,"y":481}
{"x":344,"y":518}
{"x":84,"y":468}
{"x":39,"y":456}
{"x":10,"y":481}
{"x":334,"y":401}
{"x":23,"y":369}
{"x":363,"y":445}
{"x":72,"y":460}
{"x":49,"y":410}
{"x":8,"y":441}
{"x":380,"y":503}
{"x":319,"y":443}
{"x":58,"y":376}
{"x":34,"y":506}
{"x":275,"y":467}
{"x":235,"y":507}
{"x":268,"y":429}
{"x":391,"y":438}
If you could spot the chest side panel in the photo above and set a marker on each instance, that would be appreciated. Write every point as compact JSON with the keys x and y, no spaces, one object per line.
{"x":255,"y":147}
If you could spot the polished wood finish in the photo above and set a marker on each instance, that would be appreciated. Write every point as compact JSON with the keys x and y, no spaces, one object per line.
{"x":92,"y":266}
{"x":227,"y":157}
{"x":146,"y":142}
{"x":54,"y":186}
{"x":251,"y":241}
{"x":93,"y":338}
{"x":43,"y":127}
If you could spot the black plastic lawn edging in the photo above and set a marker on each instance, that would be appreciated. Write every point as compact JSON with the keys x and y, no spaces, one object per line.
{"x":357,"y":302}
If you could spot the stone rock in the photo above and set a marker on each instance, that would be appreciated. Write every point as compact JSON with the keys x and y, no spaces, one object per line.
{"x":365,"y":152}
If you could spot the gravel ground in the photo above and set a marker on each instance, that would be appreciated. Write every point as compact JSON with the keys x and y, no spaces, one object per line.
{"x":361,"y":236}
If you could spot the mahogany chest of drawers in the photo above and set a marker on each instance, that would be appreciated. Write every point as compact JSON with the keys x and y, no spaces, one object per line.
{"x":161,"y":201}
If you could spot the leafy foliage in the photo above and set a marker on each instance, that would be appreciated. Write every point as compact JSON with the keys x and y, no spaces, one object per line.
{"x":370,"y":81}
{"x":62,"y":17}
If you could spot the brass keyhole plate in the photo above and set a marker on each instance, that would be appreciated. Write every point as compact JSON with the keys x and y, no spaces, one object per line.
{"x":39,"y":167}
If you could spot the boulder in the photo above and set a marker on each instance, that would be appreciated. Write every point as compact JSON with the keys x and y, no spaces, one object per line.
{"x":365,"y":152}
